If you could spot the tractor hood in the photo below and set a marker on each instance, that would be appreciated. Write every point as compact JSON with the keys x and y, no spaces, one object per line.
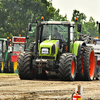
{"x":49,"y":48}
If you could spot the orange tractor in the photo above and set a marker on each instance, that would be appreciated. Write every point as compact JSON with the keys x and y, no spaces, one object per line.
{"x":17,"y":47}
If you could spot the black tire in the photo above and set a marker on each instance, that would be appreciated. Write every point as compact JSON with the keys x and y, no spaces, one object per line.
{"x":80,"y":72}
{"x":9,"y":66}
{"x":89,"y":63}
{"x":25,"y":66}
{"x":20,"y":65}
{"x":96,"y":74}
{"x":65,"y":70}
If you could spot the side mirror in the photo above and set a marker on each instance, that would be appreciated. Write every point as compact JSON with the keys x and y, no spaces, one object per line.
{"x":29,"y":27}
{"x":79,"y":27}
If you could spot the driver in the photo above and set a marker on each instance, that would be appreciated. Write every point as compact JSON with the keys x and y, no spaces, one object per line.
{"x":20,"y":49}
{"x":57,"y":34}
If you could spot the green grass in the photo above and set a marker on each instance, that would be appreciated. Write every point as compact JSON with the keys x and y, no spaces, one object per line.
{"x":8,"y":74}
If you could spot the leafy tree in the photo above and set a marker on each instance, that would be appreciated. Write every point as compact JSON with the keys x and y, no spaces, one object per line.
{"x":90,"y":28}
{"x":18,"y":13}
{"x":81,"y":16}
{"x":58,"y":17}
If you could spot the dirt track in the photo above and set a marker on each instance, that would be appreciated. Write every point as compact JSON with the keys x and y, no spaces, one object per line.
{"x":12,"y":88}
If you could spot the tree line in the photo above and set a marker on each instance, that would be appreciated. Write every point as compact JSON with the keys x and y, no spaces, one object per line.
{"x":16,"y":14}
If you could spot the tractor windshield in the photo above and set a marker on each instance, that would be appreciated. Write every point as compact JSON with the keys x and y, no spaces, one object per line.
{"x":55,"y":32}
{"x":18,"y":47}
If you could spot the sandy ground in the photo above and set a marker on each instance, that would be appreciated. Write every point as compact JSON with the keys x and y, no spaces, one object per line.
{"x":12,"y":88}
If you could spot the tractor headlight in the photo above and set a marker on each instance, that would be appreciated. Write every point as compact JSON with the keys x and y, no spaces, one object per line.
{"x":53,"y":49}
{"x":45,"y":50}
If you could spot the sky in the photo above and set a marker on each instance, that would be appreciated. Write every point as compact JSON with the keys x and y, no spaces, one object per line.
{"x":88,"y":7}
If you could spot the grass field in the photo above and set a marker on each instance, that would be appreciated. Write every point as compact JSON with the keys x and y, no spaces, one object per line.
{"x":8,"y":74}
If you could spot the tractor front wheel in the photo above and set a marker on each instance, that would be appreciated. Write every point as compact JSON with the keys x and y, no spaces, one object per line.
{"x":25,"y":66}
{"x":67,"y":67}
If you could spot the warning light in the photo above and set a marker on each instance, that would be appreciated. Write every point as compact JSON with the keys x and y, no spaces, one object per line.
{"x":96,"y":37}
{"x":18,"y":39}
{"x":76,"y":19}
{"x":19,"y":35}
{"x":7,"y":37}
{"x":42,"y":18}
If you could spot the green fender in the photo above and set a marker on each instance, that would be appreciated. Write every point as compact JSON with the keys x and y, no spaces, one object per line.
{"x":76,"y":47}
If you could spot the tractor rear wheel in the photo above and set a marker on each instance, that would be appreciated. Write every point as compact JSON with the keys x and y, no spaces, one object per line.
{"x":25,"y":66}
{"x":10,"y":64}
{"x":89,"y":63}
{"x":80,"y":72}
{"x":9,"y":67}
{"x":67,"y":67}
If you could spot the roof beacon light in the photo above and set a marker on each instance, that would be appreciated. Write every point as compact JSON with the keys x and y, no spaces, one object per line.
{"x":7,"y":37}
{"x":42,"y":18}
{"x":19,"y":35}
{"x":76,"y":19}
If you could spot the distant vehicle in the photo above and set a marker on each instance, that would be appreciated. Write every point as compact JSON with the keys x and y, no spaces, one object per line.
{"x":6,"y":65}
{"x":18,"y":47}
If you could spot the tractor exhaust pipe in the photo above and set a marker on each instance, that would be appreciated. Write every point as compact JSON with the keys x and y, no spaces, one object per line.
{"x":37,"y":35}
{"x":98,"y":24}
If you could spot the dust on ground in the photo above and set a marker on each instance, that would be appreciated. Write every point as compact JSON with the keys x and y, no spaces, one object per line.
{"x":12,"y":88}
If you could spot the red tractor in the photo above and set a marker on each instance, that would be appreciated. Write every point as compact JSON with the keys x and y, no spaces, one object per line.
{"x":18,"y":47}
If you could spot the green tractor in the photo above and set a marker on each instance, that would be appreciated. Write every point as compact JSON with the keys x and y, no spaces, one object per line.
{"x":5,"y":56}
{"x":56,"y":51}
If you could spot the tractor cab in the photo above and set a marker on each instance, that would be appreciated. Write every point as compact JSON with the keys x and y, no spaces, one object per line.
{"x":3,"y":47}
{"x":55,"y":33}
{"x":55,"y":37}
{"x":4,"y":55}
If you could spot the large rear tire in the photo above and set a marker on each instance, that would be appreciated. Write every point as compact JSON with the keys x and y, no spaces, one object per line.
{"x":25,"y":66}
{"x":80,"y":72}
{"x":89,"y":63}
{"x":10,"y":64}
{"x":67,"y":67}
{"x":9,"y":68}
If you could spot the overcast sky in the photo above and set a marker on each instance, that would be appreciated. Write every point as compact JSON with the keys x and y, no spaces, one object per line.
{"x":88,"y":7}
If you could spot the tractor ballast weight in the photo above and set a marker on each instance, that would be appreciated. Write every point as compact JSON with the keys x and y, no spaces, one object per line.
{"x":56,"y":52}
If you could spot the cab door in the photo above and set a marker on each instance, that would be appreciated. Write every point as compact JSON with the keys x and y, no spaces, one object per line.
{"x":1,"y":49}
{"x":1,"y":56}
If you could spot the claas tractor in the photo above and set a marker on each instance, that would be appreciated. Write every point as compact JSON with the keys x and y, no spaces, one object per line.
{"x":5,"y":56}
{"x":18,"y":47}
{"x":56,"y":51}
